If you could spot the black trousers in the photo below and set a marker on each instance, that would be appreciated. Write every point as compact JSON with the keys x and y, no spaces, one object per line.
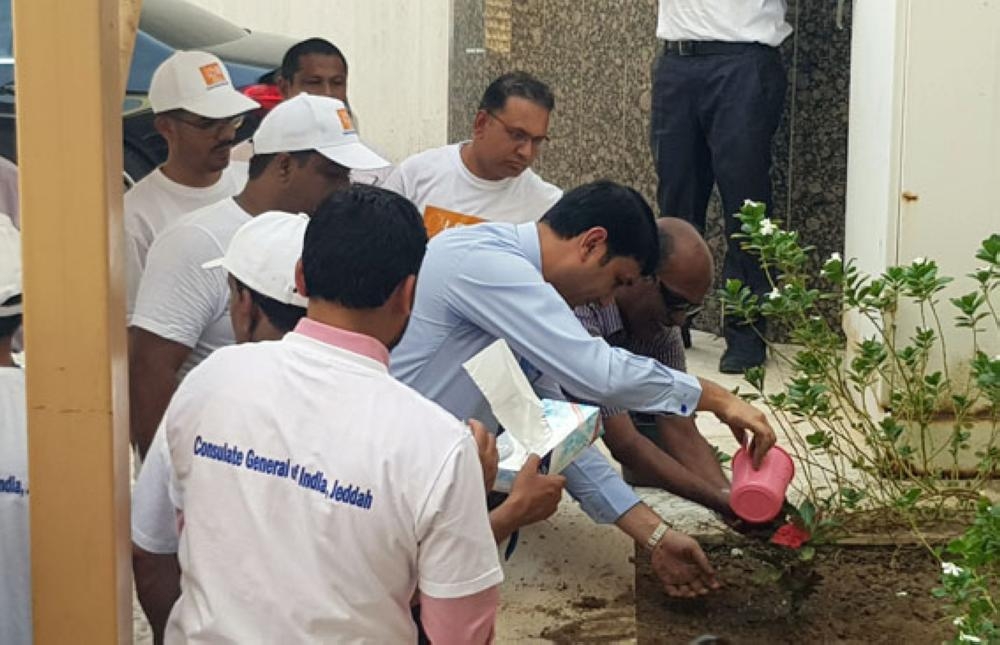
{"x":713,"y":119}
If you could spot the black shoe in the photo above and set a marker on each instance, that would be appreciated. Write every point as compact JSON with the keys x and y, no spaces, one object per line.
{"x":737,"y":362}
{"x":745,"y":347}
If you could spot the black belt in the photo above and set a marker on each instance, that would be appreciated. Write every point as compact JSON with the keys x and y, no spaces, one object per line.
{"x":706,"y":47}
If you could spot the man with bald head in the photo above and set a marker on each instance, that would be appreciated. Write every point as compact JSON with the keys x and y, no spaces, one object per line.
{"x":645,"y":318}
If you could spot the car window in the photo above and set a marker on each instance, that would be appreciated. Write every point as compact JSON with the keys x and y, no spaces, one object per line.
{"x":182,"y":25}
{"x":6,"y":31}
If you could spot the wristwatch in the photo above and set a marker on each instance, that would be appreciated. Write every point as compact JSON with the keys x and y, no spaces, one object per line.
{"x":657,"y":535}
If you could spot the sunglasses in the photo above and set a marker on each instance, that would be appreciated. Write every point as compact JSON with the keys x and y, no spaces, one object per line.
{"x":675,"y":302}
{"x":204,"y":123}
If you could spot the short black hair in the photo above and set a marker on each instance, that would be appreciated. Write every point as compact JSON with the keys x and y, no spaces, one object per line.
{"x":520,"y":84}
{"x":9,"y":324}
{"x":284,"y":317}
{"x":621,"y":210}
{"x":360,"y":245}
{"x":259,"y":162}
{"x":291,"y":61}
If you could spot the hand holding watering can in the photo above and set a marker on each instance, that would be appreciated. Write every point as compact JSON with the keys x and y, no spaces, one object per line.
{"x":760,"y":475}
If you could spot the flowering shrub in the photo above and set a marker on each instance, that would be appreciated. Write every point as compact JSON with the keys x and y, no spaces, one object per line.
{"x":966,"y":583}
{"x":851,"y":458}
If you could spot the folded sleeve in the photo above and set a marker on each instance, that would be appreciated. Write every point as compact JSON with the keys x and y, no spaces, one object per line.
{"x":457,"y":554}
{"x":177,"y":297}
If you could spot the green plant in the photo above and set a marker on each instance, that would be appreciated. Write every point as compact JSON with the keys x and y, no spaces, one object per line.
{"x":789,"y":572}
{"x":969,"y":582}
{"x":853,"y":456}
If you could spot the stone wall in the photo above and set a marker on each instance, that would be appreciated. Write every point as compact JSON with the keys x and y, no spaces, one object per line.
{"x":597,"y":57}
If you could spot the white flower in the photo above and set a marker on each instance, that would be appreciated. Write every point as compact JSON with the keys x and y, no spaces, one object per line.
{"x":835,"y":257}
{"x":958,"y":621}
{"x":767,"y":227}
{"x":774,"y":295}
{"x":951,"y":569}
{"x":969,"y":638}
{"x":751,"y":203}
{"x":736,"y":553}
{"x":920,"y":260}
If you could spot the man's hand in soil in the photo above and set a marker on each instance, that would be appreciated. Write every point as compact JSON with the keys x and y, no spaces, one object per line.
{"x":533,"y":497}
{"x":740,"y":416}
{"x":682,"y":566}
{"x":486,"y":443}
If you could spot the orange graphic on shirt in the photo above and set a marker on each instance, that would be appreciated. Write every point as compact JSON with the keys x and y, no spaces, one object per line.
{"x":212,"y":74}
{"x":438,"y":219}
{"x":345,"y":120}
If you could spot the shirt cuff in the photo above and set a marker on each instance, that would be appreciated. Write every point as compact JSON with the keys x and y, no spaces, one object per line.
{"x":684,"y":395}
{"x":601,"y":492}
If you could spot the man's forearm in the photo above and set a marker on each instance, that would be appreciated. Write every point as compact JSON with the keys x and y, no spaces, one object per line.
{"x":150,"y":392}
{"x":713,"y":396}
{"x":504,"y":520}
{"x":639,"y":522}
{"x":680,"y":438}
{"x":153,"y":365}
{"x":655,"y":467}
{"x":157,"y":585}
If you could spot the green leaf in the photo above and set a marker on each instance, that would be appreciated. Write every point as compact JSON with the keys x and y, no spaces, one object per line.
{"x":765,"y":576}
{"x":807,"y":511}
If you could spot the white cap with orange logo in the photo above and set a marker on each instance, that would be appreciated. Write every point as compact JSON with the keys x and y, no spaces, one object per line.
{"x":199,"y":83}
{"x":320,"y":123}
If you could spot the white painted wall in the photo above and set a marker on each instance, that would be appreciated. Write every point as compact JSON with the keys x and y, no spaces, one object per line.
{"x":924,"y":148}
{"x":397,"y":54}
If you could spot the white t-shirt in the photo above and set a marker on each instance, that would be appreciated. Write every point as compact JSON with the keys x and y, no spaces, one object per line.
{"x":448,"y":194}
{"x":156,"y":202}
{"x":178,"y":299}
{"x":10,"y":203}
{"x":742,"y":21}
{"x":154,"y":519}
{"x":15,"y":561}
{"x":313,"y":482}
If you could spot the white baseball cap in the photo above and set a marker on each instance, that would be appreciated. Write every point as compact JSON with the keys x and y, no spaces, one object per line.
{"x":263,"y":254}
{"x":10,"y":266}
{"x":199,"y":83}
{"x":320,"y":123}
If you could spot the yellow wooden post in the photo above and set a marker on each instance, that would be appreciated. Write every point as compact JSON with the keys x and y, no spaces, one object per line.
{"x":128,"y":24}
{"x":69,"y":100}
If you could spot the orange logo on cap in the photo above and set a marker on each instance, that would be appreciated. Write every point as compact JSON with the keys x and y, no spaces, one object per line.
{"x":345,"y":120}
{"x":212,"y":74}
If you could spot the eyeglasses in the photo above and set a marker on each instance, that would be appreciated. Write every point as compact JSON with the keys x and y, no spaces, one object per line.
{"x":519,"y":136}
{"x":675,"y":302}
{"x":205,"y":123}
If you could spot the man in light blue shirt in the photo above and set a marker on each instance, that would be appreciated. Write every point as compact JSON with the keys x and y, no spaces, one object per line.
{"x":519,"y":282}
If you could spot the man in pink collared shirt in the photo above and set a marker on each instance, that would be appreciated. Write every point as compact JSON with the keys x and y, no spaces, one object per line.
{"x":318,"y":494}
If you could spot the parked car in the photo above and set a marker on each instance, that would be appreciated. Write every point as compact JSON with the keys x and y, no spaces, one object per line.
{"x":164,"y":27}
